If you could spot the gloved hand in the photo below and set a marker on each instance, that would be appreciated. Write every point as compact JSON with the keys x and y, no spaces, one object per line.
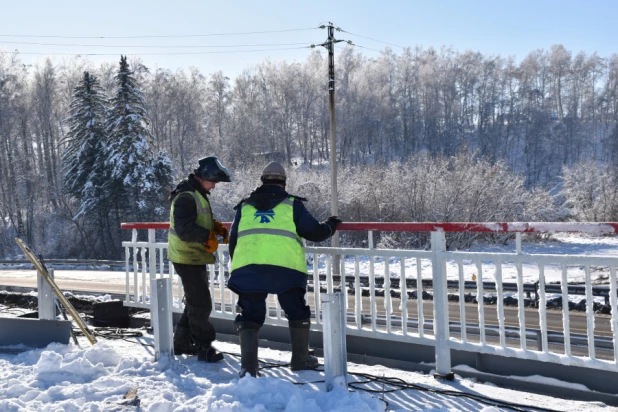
{"x":212,"y":244}
{"x":332,"y":222}
{"x":221,"y":230}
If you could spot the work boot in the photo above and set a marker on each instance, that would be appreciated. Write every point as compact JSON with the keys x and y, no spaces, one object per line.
{"x":209,"y":354}
{"x":248,"y":334}
{"x":299,"y":338}
{"x":183,"y":341}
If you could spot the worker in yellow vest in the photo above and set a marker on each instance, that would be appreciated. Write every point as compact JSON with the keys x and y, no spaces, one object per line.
{"x":268,"y":257}
{"x":192,"y":242}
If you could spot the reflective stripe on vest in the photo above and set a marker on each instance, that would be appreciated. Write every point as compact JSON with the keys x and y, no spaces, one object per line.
{"x":268,"y":237}
{"x":190,"y":253}
{"x":277,"y":232}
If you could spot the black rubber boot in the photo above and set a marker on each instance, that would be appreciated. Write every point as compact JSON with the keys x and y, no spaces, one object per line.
{"x":299,"y":338}
{"x":248,"y":334}
{"x":209,"y":354}
{"x":183,"y":341}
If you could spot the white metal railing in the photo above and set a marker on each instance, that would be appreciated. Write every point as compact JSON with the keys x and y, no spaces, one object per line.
{"x":386,"y":314}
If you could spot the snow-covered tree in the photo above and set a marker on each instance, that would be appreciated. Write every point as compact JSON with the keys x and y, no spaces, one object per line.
{"x":134,"y":175}
{"x":82,"y":165}
{"x":590,"y":191}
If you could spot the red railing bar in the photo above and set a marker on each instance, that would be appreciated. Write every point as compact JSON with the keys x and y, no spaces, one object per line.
{"x":499,"y":227}
{"x":145,"y":225}
{"x":514,"y":227}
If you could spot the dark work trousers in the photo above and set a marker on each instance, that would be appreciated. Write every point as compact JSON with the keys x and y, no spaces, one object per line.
{"x":253,"y":305}
{"x":198,"y":303}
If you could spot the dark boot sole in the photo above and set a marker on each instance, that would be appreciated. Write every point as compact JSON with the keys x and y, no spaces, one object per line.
{"x":243,"y":373}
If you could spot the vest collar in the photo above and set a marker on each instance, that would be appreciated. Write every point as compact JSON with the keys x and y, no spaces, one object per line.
{"x":267,"y":197}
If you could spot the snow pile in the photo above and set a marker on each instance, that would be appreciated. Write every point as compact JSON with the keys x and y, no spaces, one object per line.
{"x":121,"y":375}
{"x":97,"y":377}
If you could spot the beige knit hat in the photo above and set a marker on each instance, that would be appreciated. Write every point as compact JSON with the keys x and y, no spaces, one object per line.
{"x":273,"y":173}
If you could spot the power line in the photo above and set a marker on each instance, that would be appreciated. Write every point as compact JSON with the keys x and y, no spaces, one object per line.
{"x":157,"y":36}
{"x":349,"y":43}
{"x":149,"y":47}
{"x":164,"y":54}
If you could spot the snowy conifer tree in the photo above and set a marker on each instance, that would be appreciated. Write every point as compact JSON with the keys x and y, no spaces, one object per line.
{"x":84,"y":173}
{"x":133,"y":184}
{"x":83,"y":168}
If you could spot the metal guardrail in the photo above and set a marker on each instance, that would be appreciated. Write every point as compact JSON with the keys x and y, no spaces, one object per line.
{"x":598,"y":290}
{"x":529,"y":288}
{"x":148,"y":263}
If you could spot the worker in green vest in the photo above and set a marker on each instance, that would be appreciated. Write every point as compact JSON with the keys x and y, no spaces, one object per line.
{"x":268,"y":257}
{"x":192,"y":242}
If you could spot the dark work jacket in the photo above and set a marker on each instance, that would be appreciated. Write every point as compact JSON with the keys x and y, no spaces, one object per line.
{"x":185,"y":212}
{"x":270,"y":278}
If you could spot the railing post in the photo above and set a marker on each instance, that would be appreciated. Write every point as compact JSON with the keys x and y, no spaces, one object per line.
{"x":47,"y":303}
{"x":372,"y":284}
{"x":152,"y":254}
{"x":440,"y":306}
{"x":334,"y":336}
{"x":161,"y":317}
{"x":127,"y":253}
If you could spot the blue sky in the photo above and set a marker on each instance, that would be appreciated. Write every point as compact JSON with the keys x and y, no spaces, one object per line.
{"x":491,"y":27}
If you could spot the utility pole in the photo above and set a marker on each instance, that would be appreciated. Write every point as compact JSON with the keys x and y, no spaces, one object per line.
{"x":334,"y":208}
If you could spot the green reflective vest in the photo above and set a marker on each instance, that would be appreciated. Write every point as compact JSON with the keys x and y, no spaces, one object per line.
{"x":190,"y":253}
{"x":268,"y":237}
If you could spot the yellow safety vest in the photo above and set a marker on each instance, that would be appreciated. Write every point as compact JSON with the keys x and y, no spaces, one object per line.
{"x":190,"y":253}
{"x":268,"y":237}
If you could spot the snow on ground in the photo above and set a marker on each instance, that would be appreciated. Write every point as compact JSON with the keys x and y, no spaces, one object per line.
{"x":96,"y":378}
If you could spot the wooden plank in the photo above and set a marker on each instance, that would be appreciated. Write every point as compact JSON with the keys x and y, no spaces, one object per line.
{"x":40,"y":267}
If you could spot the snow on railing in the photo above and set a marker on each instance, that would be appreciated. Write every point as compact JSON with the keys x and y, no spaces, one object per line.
{"x":388,"y":312}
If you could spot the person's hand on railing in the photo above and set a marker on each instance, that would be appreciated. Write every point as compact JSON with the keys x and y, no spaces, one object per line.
{"x":221,"y":230}
{"x":212,"y":244}
{"x":332,"y":222}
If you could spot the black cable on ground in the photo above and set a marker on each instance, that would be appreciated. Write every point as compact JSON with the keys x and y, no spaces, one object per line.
{"x":400,"y":384}
{"x":397,"y":383}
{"x":114,"y":333}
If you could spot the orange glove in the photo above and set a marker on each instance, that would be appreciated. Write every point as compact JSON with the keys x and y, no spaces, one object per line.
{"x":212,"y":244}
{"x":221,"y":230}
